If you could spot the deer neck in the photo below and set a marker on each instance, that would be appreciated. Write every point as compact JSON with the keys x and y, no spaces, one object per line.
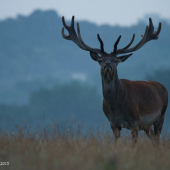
{"x":111,"y":86}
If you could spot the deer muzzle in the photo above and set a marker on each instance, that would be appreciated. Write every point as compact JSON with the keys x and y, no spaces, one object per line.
{"x":107,"y":68}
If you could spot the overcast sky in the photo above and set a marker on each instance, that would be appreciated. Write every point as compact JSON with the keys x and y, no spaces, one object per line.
{"x":121,"y":12}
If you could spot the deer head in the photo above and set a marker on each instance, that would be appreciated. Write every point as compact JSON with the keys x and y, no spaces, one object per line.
{"x":109,"y":62}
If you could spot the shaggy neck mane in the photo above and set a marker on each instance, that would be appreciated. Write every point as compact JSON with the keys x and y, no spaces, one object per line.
{"x":111,"y":86}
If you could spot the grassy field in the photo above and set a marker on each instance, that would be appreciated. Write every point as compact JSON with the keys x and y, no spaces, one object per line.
{"x":71,"y":150}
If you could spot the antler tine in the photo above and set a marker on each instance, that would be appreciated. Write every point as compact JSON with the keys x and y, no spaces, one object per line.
{"x":126,"y":47}
{"x":72,"y":22}
{"x":156,"y":33}
{"x":150,"y":31}
{"x":64,"y":23}
{"x":101,"y":43}
{"x":149,"y":35}
{"x":77,"y":39}
{"x":87,"y":48}
{"x":116,"y":43}
{"x":62,"y":31}
{"x":159,"y":29}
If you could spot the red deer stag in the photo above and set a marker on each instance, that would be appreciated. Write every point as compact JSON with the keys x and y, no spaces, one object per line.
{"x":135,"y":105}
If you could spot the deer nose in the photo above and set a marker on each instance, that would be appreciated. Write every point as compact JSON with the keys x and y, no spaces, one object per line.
{"x":108,"y":62}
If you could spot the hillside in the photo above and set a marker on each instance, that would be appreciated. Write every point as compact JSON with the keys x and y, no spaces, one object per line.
{"x":34,"y":54}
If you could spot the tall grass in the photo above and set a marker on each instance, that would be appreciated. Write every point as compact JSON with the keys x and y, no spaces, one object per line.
{"x":51,"y":148}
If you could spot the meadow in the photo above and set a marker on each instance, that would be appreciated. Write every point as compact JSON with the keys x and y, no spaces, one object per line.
{"x":72,"y":149}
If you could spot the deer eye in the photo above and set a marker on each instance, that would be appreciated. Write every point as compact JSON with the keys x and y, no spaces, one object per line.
{"x":100,"y":61}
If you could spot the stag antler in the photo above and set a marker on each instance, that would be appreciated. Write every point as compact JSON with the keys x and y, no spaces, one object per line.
{"x":150,"y":34}
{"x":77,"y":39}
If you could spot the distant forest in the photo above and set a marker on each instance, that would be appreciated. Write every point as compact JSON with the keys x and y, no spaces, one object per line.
{"x":44,"y":77}
{"x":74,"y":101}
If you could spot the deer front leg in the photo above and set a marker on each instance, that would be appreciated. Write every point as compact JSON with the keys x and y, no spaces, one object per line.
{"x":134,"y":134}
{"x":150,"y":133}
{"x":116,"y":132}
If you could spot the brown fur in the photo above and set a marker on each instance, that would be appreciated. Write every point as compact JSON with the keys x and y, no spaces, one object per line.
{"x":132,"y":100}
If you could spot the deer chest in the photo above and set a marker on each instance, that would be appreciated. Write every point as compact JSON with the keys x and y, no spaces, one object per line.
{"x":118,"y":120}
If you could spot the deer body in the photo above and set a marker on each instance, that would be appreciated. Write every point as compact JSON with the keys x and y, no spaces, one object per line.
{"x":124,"y":109}
{"x":135,"y":105}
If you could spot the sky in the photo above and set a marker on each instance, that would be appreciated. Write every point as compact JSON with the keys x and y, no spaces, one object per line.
{"x":112,"y":12}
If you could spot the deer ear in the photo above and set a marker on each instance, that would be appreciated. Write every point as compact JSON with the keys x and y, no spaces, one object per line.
{"x":123,"y":58}
{"x":94,"y":55}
